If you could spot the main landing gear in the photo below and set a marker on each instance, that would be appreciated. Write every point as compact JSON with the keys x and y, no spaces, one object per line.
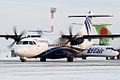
{"x":84,"y":57}
{"x":43,"y":59}
{"x":111,"y":58}
{"x":69,"y":59}
{"x":118,"y":57}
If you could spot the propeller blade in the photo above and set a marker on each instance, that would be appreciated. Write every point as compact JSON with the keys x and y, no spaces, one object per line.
{"x":67,"y":42}
{"x":22,"y":33}
{"x":75,"y":37}
{"x":11,"y":45}
{"x":15,"y":31}
{"x":70,"y":31}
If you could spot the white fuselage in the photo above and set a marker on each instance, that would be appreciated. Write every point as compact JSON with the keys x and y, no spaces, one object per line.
{"x":31,"y":47}
{"x":27,"y":50}
{"x":99,"y":51}
{"x":44,"y":43}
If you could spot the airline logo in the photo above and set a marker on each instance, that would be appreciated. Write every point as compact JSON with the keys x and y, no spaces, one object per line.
{"x":95,"y":50}
{"x":87,"y":24}
{"x":103,"y":31}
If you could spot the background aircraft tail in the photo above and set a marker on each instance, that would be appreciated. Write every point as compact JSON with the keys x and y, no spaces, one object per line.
{"x":86,"y":29}
{"x":103,"y":30}
{"x":88,"y":22}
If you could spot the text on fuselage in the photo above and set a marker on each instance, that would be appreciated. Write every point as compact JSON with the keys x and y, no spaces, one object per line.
{"x":95,"y":50}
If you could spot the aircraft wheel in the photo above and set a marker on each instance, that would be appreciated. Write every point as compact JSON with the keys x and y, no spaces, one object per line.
{"x":23,"y":60}
{"x":112,"y":58}
{"x":107,"y":58}
{"x":69,"y":59}
{"x":84,"y":57}
{"x":43,"y":59}
{"x":118,"y":56}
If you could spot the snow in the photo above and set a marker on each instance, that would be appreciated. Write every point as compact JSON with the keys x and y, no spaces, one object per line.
{"x":60,"y":70}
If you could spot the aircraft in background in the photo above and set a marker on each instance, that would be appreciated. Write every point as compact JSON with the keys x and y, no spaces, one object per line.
{"x":103,"y":48}
{"x":98,"y":50}
{"x":103,"y":30}
{"x":55,"y":47}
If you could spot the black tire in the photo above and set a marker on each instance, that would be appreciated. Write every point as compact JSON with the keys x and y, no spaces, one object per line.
{"x":69,"y":59}
{"x":43,"y":59}
{"x":112,"y":58}
{"x":118,"y":56}
{"x":107,"y":58}
{"x":84,"y":57}
{"x":23,"y":60}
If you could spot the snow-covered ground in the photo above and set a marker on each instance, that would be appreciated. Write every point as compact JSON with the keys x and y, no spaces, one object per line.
{"x":60,"y":70}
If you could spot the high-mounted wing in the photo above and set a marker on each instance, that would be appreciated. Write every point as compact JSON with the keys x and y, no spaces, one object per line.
{"x":75,"y":40}
{"x":13,"y":36}
{"x":17,"y":38}
{"x":101,"y":36}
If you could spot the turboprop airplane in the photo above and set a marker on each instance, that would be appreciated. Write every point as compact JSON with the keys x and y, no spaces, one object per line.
{"x":98,"y":50}
{"x":55,"y":47}
{"x":103,"y":30}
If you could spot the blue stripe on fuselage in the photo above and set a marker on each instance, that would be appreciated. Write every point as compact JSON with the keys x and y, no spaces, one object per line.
{"x":59,"y":52}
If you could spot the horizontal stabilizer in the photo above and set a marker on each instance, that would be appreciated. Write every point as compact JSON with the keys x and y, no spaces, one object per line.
{"x":90,"y":16}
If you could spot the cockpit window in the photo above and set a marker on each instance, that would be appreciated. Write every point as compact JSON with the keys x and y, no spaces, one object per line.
{"x":110,"y":48}
{"x":20,"y":42}
{"x":34,"y":43}
{"x":31,"y":43}
{"x":27,"y":43}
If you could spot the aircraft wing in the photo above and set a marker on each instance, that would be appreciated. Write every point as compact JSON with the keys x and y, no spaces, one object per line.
{"x":101,"y":36}
{"x":15,"y":36}
{"x":94,"y":36}
{"x":7,"y":36}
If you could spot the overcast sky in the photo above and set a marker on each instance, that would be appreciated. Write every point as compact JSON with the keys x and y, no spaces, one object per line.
{"x":35,"y":14}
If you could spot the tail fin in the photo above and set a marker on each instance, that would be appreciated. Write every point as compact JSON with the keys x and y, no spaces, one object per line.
{"x":88,"y":20}
{"x":103,"y":30}
{"x":88,"y":24}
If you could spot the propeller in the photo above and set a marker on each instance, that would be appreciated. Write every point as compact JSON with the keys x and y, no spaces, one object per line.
{"x":16,"y":37}
{"x":74,"y":39}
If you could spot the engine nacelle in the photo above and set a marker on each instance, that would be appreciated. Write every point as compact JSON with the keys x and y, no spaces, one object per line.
{"x":77,"y":41}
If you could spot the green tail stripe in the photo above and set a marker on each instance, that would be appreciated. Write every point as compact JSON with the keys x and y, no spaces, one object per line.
{"x":98,"y":28}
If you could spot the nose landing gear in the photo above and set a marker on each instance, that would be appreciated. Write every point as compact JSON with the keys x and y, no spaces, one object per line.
{"x":23,"y":59}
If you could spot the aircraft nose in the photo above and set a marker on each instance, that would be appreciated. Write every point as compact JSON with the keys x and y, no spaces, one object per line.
{"x":19,"y":51}
{"x":117,"y":53}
